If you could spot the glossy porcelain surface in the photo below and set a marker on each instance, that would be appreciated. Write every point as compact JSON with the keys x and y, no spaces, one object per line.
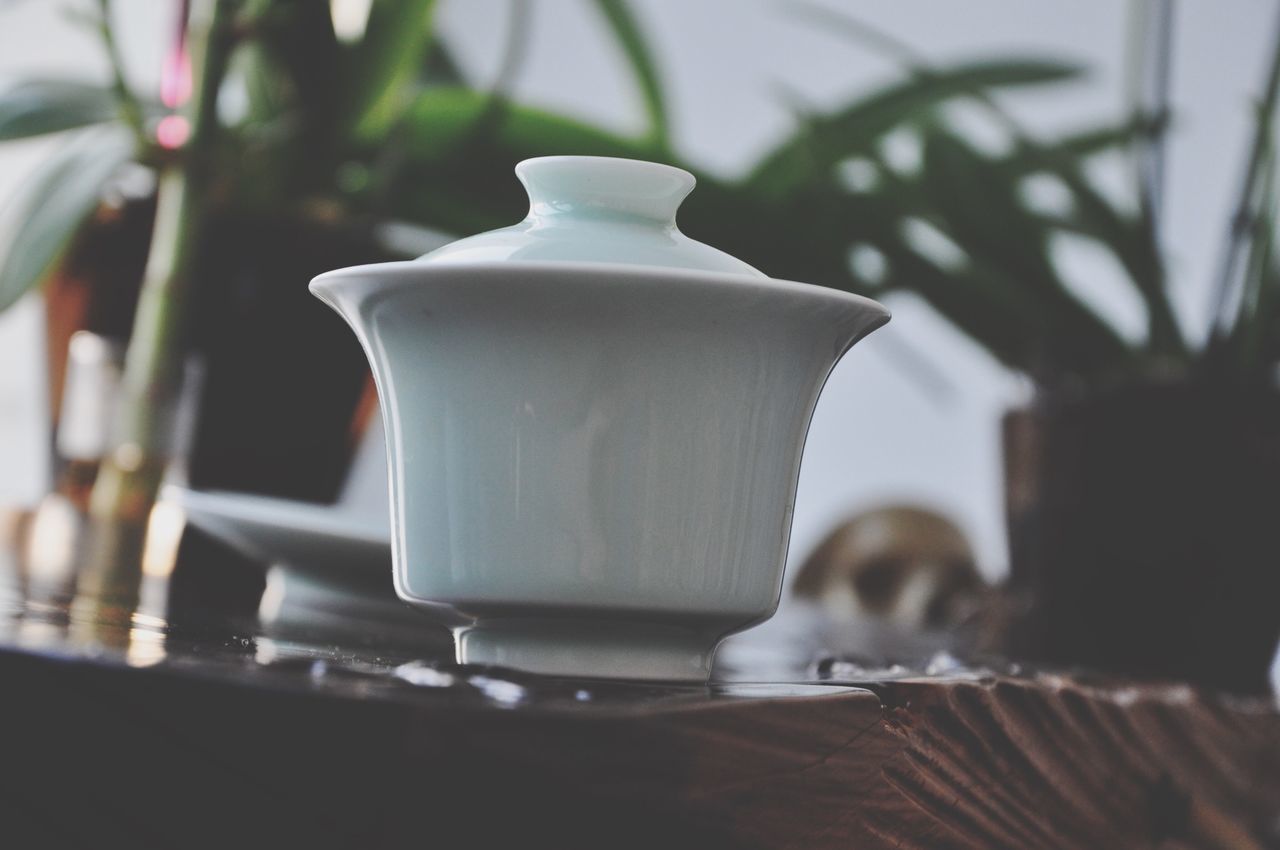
{"x":596,"y":209}
{"x":326,"y":566}
{"x":592,"y":465}
{"x":317,"y":538}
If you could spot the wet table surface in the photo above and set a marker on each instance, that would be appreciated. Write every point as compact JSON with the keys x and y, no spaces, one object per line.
{"x":124,"y":727}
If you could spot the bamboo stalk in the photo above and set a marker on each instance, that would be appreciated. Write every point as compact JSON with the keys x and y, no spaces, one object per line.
{"x":130,"y":109}
{"x":131,"y":473}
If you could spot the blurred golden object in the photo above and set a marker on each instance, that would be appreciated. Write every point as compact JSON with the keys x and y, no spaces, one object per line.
{"x":899,"y":563}
{"x":90,"y":392}
{"x":51,"y":548}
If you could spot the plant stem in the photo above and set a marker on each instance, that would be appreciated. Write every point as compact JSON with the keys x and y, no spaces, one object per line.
{"x":1244,"y":216}
{"x":1248,"y":333}
{"x":1151,"y":79}
{"x":131,"y":474}
{"x":629,"y":36}
{"x":514,"y":50}
{"x":130,"y":109}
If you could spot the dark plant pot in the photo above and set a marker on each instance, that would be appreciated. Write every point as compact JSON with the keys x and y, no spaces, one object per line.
{"x":281,"y":398}
{"x":282,"y":380}
{"x":285,"y":388}
{"x":1145,"y":531}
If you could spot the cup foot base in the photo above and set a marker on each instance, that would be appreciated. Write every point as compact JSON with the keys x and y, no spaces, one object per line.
{"x":590,"y":649}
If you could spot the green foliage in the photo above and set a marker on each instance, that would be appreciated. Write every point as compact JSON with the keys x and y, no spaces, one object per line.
{"x":1246,"y":312}
{"x":824,"y":141}
{"x":54,"y":204}
{"x":441,"y":123}
{"x":457,"y":147}
{"x":35,"y":107}
{"x":380,"y":69}
{"x":388,"y":127}
{"x":634,"y":47}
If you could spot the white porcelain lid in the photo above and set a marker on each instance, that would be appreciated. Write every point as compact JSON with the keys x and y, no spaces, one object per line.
{"x":598,"y":210}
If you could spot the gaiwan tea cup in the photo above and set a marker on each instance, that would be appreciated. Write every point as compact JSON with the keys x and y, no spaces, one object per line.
{"x":594,"y":424}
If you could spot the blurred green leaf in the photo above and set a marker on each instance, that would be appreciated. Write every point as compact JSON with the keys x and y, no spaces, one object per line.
{"x":36,"y":107}
{"x":1126,"y":235}
{"x":1072,"y":151}
{"x":632,"y":41}
{"x":982,"y":306}
{"x":1246,"y":339}
{"x":290,"y":66}
{"x":965,"y":298}
{"x":53,"y":204}
{"x":440,"y":68}
{"x":387,"y":60}
{"x":1130,"y":238}
{"x":814,"y":151}
{"x":442,"y":119}
{"x":980,"y":208}
{"x":457,"y":148}
{"x":1256,"y":194}
{"x":301,"y":58}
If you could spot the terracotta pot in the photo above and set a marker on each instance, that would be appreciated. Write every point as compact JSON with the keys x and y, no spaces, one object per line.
{"x":1145,"y":530}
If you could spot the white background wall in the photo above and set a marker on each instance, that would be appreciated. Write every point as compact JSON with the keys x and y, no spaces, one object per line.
{"x":878,"y":435}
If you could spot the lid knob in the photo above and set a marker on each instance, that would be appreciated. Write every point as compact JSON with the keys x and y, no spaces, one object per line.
{"x":597,"y":185}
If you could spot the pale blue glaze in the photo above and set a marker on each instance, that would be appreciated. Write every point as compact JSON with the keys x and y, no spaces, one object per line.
{"x":594,"y":425}
{"x":596,"y":209}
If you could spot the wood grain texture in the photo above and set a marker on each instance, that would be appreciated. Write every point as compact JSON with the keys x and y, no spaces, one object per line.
{"x":164,"y":757}
{"x":1052,"y":762}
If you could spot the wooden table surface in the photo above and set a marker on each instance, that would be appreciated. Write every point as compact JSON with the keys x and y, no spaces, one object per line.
{"x":145,"y":733}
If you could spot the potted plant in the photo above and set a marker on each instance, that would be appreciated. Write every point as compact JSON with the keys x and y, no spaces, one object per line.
{"x":1143,"y":480}
{"x":339,"y":134}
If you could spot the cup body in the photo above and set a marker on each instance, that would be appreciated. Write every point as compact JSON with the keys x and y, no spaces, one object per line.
{"x":593,"y":468}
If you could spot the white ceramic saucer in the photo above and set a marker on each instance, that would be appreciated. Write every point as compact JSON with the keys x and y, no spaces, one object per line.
{"x":327,"y":566}
{"x":318,"y":540}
